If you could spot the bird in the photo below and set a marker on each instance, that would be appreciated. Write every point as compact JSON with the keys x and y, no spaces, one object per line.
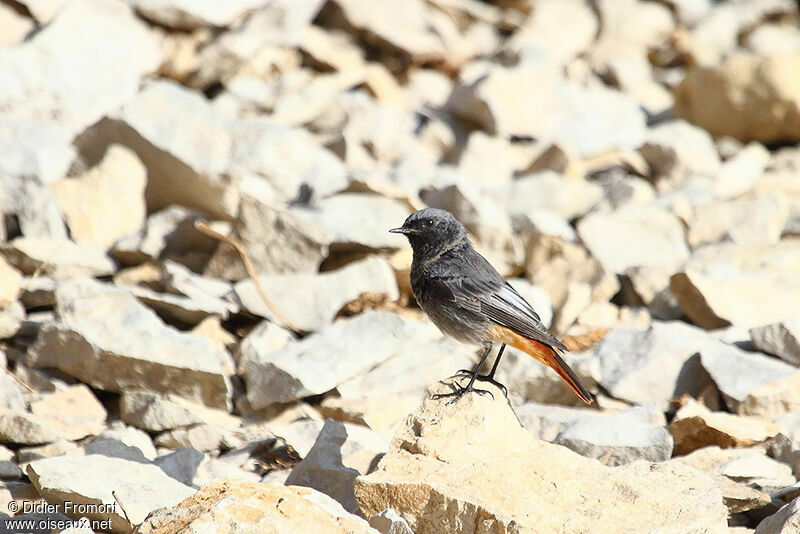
{"x":468,"y":300}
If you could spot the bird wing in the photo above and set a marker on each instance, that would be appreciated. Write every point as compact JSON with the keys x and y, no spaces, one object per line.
{"x":496,"y":300}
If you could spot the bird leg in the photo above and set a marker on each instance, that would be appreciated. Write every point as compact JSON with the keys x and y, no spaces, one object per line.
{"x":490,"y":377}
{"x":460,"y":391}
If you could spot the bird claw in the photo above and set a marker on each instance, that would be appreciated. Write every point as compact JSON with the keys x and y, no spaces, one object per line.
{"x":459,"y":391}
{"x":484,"y":378}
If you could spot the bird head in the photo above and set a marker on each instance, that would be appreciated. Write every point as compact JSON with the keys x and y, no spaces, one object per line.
{"x":431,"y":229}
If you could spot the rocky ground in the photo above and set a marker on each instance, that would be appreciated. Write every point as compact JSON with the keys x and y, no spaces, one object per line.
{"x":631,"y":166}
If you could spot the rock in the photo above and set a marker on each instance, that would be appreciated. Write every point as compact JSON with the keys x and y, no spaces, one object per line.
{"x":91,"y":203}
{"x":643,"y":236}
{"x":389,"y":522}
{"x":15,"y":26}
{"x":35,"y":153}
{"x":114,"y":448}
{"x":422,"y":478}
{"x":750,"y":220}
{"x":774,"y":39}
{"x":760,"y":470}
{"x":84,"y":343}
{"x":260,"y":43}
{"x":754,"y":98}
{"x":781,"y":339}
{"x":10,"y":390}
{"x":11,"y":319}
{"x":10,"y":284}
{"x":278,"y":241}
{"x":76,"y":92}
{"x":178,"y":309}
{"x":680,"y":150}
{"x":736,"y":373}
{"x":60,"y":257}
{"x":695,"y":427}
{"x":618,"y":439}
{"x":651,"y":366}
{"x":8,"y":467}
{"x":531,"y":99}
{"x":132,"y":437}
{"x":185,"y":146}
{"x":137,"y":488}
{"x":734,"y":284}
{"x":154,"y":413}
{"x":741,"y":172}
{"x":168,"y":234}
{"x":250,"y":506}
{"x":189,"y":16}
{"x":62,"y":447}
{"x":77,"y":399}
{"x":335,"y":460}
{"x":359,"y":221}
{"x":540,"y":29}
{"x":551,"y":191}
{"x":741,"y":498}
{"x":564,"y":270}
{"x":310,"y":302}
{"x":773,"y":399}
{"x":405,"y":29}
{"x":203,"y":437}
{"x":29,"y":429}
{"x":785,"y":521}
{"x":181,"y":464}
{"x":310,"y":367}
{"x":487,"y":161}
{"x":545,"y":421}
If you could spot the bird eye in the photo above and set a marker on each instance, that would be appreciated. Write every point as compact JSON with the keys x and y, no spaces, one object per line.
{"x":430,"y":222}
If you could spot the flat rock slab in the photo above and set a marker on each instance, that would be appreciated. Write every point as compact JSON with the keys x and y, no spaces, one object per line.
{"x":781,"y":339}
{"x":238,"y":506}
{"x":728,"y":283}
{"x":326,"y":359}
{"x":470,"y":466}
{"x":90,"y":480}
{"x":311,"y":301}
{"x":107,"y":339}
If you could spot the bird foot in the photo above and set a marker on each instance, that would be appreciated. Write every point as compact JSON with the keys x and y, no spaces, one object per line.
{"x":460,"y":391}
{"x":484,"y":378}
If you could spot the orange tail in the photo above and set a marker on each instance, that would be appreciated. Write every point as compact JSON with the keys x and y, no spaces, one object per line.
{"x":546,"y":355}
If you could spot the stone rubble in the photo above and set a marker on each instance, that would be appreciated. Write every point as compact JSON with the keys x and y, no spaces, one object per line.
{"x":630,"y":166}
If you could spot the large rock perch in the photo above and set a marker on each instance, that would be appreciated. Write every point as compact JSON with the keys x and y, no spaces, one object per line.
{"x":471,"y":467}
{"x":105,"y":338}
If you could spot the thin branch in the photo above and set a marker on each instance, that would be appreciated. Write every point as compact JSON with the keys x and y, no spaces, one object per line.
{"x":203,"y":227}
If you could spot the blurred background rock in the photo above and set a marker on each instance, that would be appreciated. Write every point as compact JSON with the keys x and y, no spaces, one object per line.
{"x":631,"y":165}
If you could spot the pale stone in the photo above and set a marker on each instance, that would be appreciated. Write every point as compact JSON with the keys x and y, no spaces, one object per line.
{"x":107,"y":202}
{"x":312,"y":366}
{"x":74,"y":92}
{"x":29,"y":429}
{"x":87,"y":342}
{"x":695,"y":427}
{"x":138,"y":488}
{"x":311,"y":302}
{"x":735,"y":284}
{"x":737,"y":373}
{"x":57,"y":256}
{"x":253,"y":507}
{"x":422,"y":478}
{"x":154,"y":413}
{"x":714,"y":98}
{"x":781,"y":339}
{"x":77,"y":400}
{"x":191,"y":14}
{"x":634,"y":236}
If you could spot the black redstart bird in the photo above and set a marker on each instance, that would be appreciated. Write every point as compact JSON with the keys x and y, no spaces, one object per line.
{"x":468,"y":299}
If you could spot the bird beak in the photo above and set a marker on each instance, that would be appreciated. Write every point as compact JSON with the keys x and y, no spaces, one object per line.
{"x":401,"y":230}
